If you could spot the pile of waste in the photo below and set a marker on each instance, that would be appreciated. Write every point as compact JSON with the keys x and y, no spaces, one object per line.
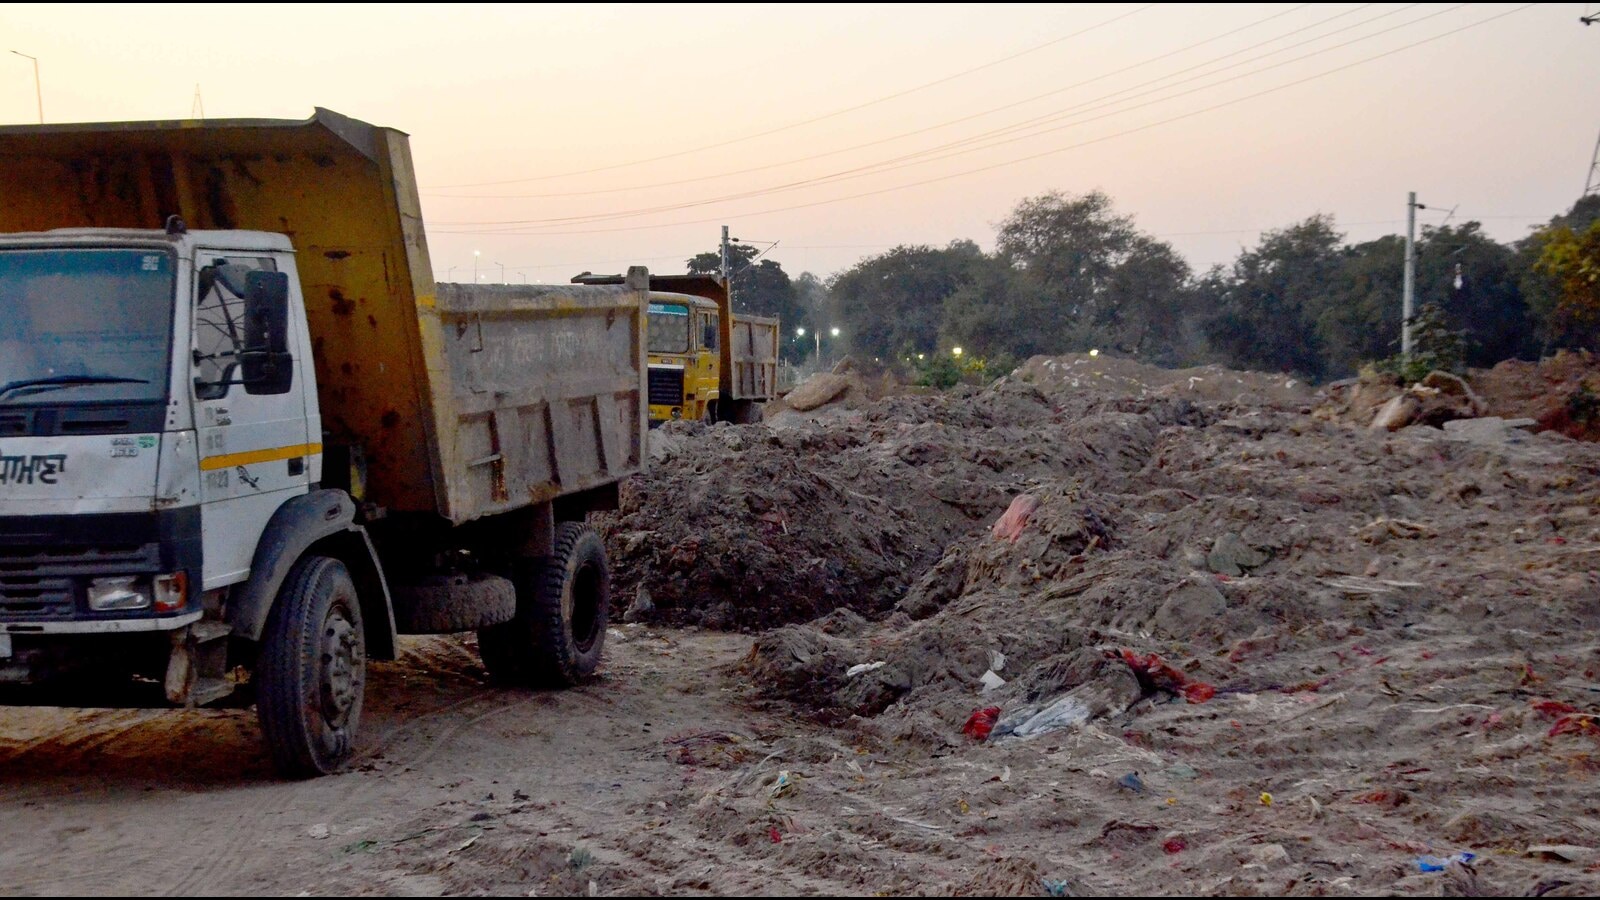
{"x":1213,"y":636}
{"x":1560,"y":393}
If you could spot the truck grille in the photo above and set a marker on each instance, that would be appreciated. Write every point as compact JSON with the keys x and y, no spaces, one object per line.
{"x":666,"y":386}
{"x":41,"y":583}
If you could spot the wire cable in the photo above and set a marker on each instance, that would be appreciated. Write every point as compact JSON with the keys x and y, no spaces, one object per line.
{"x":813,"y":120}
{"x":1046,"y":153}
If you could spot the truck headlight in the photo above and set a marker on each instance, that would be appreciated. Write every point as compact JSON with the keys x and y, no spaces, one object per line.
{"x":123,"y":592}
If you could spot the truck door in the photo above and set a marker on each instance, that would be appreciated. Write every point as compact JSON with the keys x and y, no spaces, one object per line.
{"x":708,"y":376}
{"x":255,"y":443}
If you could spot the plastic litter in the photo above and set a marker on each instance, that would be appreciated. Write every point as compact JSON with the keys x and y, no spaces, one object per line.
{"x":1175,"y":845}
{"x":1015,"y":518}
{"x":1436,"y":864}
{"x":773,"y":833}
{"x":1266,"y":799}
{"x":1131,"y":782}
{"x":991,"y":681}
{"x":1065,"y":712}
{"x":855,"y":670}
{"x":1155,"y":674}
{"x":784,"y":785}
{"x":981,"y":722}
{"x":1055,"y":887}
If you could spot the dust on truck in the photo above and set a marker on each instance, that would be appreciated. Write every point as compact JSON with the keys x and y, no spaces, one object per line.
{"x":707,"y":363}
{"x":242,"y":429}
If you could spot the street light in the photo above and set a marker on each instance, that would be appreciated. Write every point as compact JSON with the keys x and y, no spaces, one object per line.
{"x":835,"y":332}
{"x":450,"y":274}
{"x":475,"y":255}
{"x":38,"y":89}
{"x":956,"y":351}
{"x":502,"y":272}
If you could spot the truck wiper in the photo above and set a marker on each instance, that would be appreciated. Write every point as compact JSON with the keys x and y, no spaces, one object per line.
{"x":55,"y":381}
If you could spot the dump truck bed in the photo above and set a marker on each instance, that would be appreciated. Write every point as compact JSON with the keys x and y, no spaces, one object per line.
{"x":753,"y":352}
{"x":466,"y":400}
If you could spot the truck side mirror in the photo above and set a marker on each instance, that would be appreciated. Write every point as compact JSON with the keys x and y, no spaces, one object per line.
{"x":266,"y":365}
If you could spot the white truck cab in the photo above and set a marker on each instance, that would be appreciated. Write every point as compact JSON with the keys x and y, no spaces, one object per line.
{"x":157,"y":407}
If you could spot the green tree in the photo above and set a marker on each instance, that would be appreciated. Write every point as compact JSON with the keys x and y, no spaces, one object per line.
{"x":1359,"y":321}
{"x":1073,"y":275}
{"x":1471,"y":277}
{"x":1541,"y":285}
{"x":1264,"y":310}
{"x":1572,"y":260}
{"x":892,"y":304}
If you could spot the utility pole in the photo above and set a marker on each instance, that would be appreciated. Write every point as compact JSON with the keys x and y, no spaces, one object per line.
{"x":38,"y":89}
{"x":1408,"y":293}
{"x":197,"y":107}
{"x":724,"y":254}
{"x":1591,"y":185}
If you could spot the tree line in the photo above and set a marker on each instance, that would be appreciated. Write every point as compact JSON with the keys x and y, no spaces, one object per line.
{"x":1069,"y":273}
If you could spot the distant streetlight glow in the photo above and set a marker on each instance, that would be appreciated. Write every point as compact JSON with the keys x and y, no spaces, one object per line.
{"x":800,"y":331}
{"x":1095,"y":352}
{"x":956,"y":351}
{"x":835,"y":332}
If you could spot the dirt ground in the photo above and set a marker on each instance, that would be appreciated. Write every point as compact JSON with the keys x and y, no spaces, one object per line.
{"x":1227,"y":646}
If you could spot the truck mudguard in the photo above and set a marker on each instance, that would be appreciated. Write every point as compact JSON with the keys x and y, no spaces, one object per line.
{"x":324,"y":517}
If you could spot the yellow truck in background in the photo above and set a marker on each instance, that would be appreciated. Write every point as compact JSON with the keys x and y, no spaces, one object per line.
{"x":706,"y":362}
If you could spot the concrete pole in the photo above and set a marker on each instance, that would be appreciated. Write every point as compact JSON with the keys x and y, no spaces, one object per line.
{"x":38,"y":88}
{"x":1408,"y":294}
{"x":725,"y":255}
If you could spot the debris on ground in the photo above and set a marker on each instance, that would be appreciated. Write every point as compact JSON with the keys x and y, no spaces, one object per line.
{"x":1258,"y":610}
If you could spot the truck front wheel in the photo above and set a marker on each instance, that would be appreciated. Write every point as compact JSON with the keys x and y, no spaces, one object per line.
{"x":562,"y":609}
{"x":312,"y":670}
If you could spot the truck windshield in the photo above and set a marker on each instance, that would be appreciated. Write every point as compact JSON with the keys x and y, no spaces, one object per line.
{"x":669,"y":328}
{"x":84,"y":324}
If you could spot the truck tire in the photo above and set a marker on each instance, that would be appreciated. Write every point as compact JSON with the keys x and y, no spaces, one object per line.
{"x":312,"y":670}
{"x":454,"y":603}
{"x":562,"y":609}
{"x":748,"y":412}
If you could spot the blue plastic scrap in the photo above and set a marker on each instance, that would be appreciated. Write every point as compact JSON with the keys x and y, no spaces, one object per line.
{"x":1435,"y":864}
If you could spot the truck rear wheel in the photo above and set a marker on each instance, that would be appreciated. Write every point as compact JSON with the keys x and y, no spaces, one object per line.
{"x":312,"y":670}
{"x":563,"y":606}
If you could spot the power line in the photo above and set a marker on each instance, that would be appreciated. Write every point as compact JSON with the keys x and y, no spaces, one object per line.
{"x":1045,"y":153}
{"x":813,"y":120}
{"x":910,"y":159}
{"x":935,"y":127}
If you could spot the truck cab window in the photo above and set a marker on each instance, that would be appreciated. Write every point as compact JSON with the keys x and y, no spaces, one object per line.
{"x":668,"y":328}
{"x":708,"y":328}
{"x":219,"y":331}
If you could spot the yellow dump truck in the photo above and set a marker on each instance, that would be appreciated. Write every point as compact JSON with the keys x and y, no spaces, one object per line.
{"x":242,"y":429}
{"x":707,"y":363}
